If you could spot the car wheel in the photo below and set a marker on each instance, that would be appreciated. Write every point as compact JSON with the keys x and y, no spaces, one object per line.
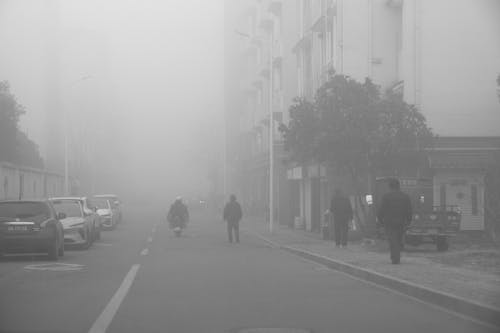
{"x":61,"y":250}
{"x":92,"y":234}
{"x":442,"y":244}
{"x":53,"y":252}
{"x":88,"y":239}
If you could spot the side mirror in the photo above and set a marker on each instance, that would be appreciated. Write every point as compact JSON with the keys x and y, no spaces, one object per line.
{"x":61,"y":216}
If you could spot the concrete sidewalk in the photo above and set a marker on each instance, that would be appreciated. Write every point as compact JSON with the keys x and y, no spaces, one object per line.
{"x":471,"y":292}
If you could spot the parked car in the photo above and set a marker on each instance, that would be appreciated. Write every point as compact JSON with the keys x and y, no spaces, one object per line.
{"x":430,"y":224}
{"x":81,"y":224}
{"x":31,"y":226}
{"x":115,"y":201}
{"x":90,"y":209}
{"x":107,"y":211}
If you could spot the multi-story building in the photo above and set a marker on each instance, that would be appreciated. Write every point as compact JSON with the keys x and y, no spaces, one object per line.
{"x":442,"y":55}
{"x":260,"y":79}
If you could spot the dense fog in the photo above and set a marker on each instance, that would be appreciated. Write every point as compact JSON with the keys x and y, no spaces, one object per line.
{"x":138,"y":83}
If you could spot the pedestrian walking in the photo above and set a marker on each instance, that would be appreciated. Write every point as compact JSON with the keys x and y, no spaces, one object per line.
{"x":341,"y":210}
{"x":232,"y":215}
{"x":395,"y":214}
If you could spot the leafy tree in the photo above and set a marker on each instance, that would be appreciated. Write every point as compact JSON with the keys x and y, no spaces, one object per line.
{"x":27,"y":152}
{"x":353,"y":128}
{"x":15,"y":146}
{"x":302,"y":133}
{"x":10,"y":111}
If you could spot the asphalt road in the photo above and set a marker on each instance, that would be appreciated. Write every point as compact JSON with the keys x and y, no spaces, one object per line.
{"x":140,"y":278}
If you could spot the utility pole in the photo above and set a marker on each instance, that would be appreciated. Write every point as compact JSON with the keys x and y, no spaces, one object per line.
{"x":271,"y":134}
{"x":66,"y":138}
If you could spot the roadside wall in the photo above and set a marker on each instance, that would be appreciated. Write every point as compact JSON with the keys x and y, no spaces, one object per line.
{"x":17,"y":182}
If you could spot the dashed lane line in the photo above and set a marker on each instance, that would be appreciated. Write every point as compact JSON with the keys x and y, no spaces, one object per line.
{"x":145,"y":252}
{"x":104,"y":320}
{"x":150,"y":239}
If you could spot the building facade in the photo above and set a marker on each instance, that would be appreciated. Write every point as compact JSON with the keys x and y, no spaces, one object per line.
{"x":441,"y":55}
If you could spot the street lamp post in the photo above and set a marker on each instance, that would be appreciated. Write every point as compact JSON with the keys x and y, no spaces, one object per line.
{"x":271,"y":127}
{"x":271,"y":136}
{"x":66,"y":140}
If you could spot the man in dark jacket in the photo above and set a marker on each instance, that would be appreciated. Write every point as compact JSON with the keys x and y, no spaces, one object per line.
{"x":178,"y":209}
{"x":395,"y":214}
{"x":341,"y":210}
{"x":233,"y":214}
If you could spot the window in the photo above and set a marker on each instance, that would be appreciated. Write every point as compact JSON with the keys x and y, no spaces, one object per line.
{"x":473,"y":199}
{"x":442,"y":195}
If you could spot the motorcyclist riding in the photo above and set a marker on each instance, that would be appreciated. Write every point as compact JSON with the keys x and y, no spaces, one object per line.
{"x":178,"y":210}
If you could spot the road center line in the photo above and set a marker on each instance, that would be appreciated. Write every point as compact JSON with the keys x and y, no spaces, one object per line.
{"x":103,"y":321}
{"x":150,"y":239}
{"x":145,"y":252}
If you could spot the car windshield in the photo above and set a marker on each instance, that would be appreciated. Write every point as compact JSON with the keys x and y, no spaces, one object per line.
{"x":27,"y":211}
{"x":70,"y":208}
{"x":101,"y":203}
{"x":111,"y":198}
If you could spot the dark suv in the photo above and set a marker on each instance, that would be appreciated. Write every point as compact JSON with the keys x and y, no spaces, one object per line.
{"x":31,"y":226}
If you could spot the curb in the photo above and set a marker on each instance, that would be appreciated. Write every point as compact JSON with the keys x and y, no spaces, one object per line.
{"x":477,"y":311}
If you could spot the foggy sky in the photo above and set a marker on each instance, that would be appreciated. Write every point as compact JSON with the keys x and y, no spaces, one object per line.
{"x":157,"y":78}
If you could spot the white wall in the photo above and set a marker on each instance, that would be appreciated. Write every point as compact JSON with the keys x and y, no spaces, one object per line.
{"x":35,"y":184}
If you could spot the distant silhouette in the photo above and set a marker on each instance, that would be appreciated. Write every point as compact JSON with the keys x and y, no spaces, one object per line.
{"x":342,"y":213}
{"x":178,"y":210}
{"x":233,"y":214}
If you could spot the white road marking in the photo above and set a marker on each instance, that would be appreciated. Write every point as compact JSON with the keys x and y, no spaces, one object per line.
{"x":103,"y":321}
{"x":145,"y":252}
{"x":153,"y":230}
{"x":55,"y":267}
{"x":150,"y":239}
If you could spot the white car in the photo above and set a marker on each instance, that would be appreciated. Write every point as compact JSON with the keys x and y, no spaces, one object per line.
{"x":115,"y":203}
{"x":81,"y":225}
{"x":107,"y":211}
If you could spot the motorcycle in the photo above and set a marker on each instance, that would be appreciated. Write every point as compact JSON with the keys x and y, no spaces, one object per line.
{"x":176,"y":224}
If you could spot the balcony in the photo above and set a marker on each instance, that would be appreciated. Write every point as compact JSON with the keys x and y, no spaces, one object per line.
{"x":257,"y":83}
{"x":266,"y":23}
{"x":264,"y":70}
{"x":304,"y":43}
{"x":394,"y":3}
{"x":321,"y":22}
{"x":275,"y":7}
{"x":326,"y":71}
{"x":278,"y":103}
{"x":277,"y":54}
